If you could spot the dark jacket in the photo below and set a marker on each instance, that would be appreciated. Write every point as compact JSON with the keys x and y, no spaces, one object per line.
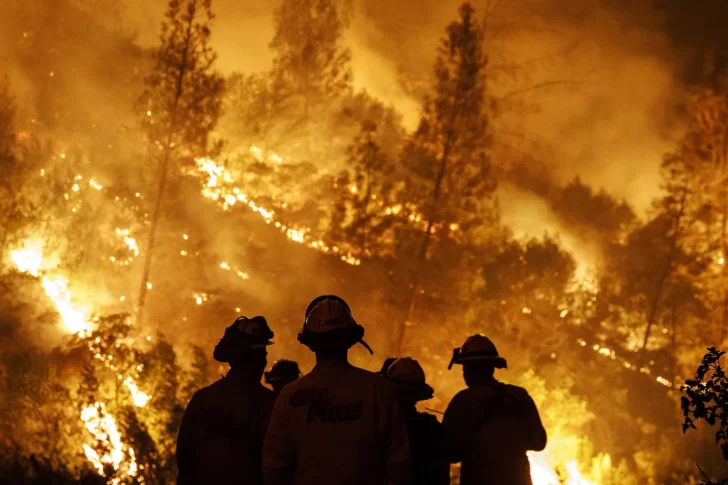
{"x":337,"y":425}
{"x":489,"y":429}
{"x":430,"y":465}
{"x":223,"y":428}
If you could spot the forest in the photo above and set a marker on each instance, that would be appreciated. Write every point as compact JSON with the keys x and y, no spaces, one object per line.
{"x":553,"y":176}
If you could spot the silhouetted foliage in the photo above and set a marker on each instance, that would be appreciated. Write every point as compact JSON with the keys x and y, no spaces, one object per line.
{"x":706,"y":399}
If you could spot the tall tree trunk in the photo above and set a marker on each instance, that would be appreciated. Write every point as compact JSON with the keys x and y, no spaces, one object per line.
{"x":424,"y":246}
{"x":656,"y":300}
{"x":724,"y":272}
{"x":164,"y":171}
{"x":722,"y":162}
{"x":422,"y":256}
{"x":673,"y":318}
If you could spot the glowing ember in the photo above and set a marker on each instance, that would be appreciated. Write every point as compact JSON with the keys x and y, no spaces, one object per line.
{"x":295,"y":235}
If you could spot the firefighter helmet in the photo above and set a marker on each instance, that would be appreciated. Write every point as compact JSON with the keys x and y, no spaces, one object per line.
{"x":478,"y":347}
{"x":283,"y":371}
{"x":244,"y":336}
{"x":329,"y":320}
{"x":409,"y":379}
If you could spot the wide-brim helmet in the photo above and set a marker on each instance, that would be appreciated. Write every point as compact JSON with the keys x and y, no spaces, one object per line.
{"x":329,"y":322}
{"x":478,"y":348}
{"x":244,"y":336}
{"x":283,"y":371}
{"x":409,"y":380}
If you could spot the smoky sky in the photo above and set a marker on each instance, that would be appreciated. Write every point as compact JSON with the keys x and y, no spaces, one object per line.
{"x":596,"y":84}
{"x":589,"y":88}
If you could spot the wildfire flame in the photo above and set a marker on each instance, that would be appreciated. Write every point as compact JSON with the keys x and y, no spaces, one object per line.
{"x":230,"y":196}
{"x":544,"y":474}
{"x":75,"y":319}
{"x":108,"y":438}
{"x":30,"y":260}
{"x":139,"y":398}
{"x":97,"y":421}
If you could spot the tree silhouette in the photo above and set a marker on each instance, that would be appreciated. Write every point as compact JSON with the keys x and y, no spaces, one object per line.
{"x":706,"y":399}
{"x":450,"y":174}
{"x":180,"y":105}
{"x":311,"y":65}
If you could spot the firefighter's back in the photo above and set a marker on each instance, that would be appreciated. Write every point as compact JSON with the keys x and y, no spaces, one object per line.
{"x":230,"y":429}
{"x":339,"y":425}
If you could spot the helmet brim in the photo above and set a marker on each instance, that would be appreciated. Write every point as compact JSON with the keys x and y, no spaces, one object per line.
{"x":413,"y":391}
{"x":340,"y":337}
{"x":497,"y":362}
{"x":227,"y":351}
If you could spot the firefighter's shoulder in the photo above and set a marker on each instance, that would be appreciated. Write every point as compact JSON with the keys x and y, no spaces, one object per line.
{"x":463,"y":397}
{"x":211,"y":391}
{"x":515,"y":392}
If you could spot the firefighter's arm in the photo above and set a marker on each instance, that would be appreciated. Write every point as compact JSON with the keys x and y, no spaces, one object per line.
{"x":278,"y":451}
{"x":185,"y":452}
{"x":456,"y":429}
{"x":536,"y":432}
{"x":399,"y":466}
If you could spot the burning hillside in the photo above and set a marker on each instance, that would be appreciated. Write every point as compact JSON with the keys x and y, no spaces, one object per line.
{"x":151,"y":195}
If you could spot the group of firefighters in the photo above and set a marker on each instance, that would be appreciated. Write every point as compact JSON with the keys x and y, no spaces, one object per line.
{"x":341,"y":425}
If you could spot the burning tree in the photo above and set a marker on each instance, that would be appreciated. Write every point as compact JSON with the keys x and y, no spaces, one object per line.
{"x":181,"y":103}
{"x":450,"y":175}
{"x":311,"y":65}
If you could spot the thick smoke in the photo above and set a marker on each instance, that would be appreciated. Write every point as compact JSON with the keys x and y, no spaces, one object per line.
{"x":588,"y":89}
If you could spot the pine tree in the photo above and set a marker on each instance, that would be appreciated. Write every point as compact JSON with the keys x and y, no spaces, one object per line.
{"x":311,"y":65}
{"x":362,"y":218}
{"x":181,"y":102}
{"x":451,"y":177}
{"x":696,"y":176}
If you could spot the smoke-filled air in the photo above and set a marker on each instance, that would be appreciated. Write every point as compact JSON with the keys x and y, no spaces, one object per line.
{"x":551,"y":174}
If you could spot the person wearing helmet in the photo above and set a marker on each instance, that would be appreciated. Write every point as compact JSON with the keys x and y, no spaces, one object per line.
{"x":338,"y":424}
{"x":283,"y":372}
{"x":385,"y":365}
{"x":430,"y":465}
{"x":223,"y":428}
{"x":490,"y":426}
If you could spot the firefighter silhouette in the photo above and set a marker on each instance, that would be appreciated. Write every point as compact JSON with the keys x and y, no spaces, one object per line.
{"x":490,"y":426}
{"x":430,"y":465}
{"x":338,"y":424}
{"x":283,"y":372}
{"x":221,"y":437}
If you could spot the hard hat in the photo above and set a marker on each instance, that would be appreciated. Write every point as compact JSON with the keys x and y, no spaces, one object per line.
{"x":385,"y":366}
{"x":283,"y":370}
{"x":328,"y":318}
{"x":409,"y":379}
{"x":244,"y":336}
{"x":478,"y":347}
